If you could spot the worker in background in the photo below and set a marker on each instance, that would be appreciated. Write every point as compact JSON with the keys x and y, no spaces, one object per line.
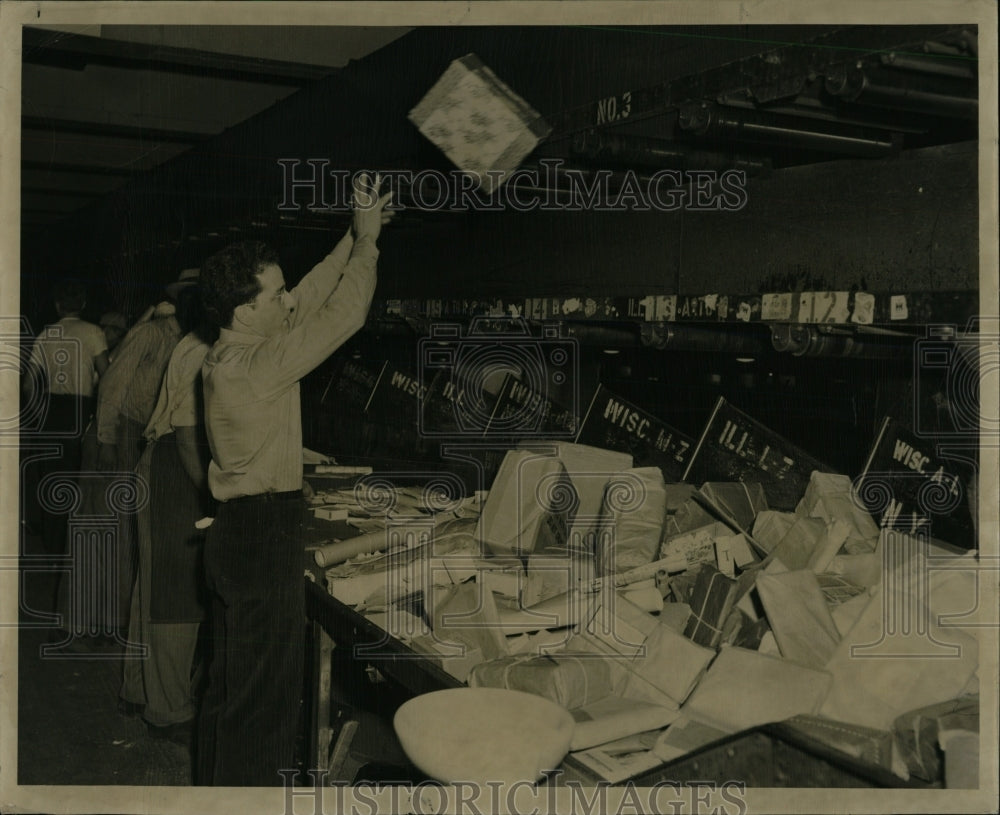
{"x":168,"y":598}
{"x":269,"y":339}
{"x":114,"y":324}
{"x":65,"y":362}
{"x":125,"y":402}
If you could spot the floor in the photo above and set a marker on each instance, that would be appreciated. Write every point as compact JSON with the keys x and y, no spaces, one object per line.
{"x":69,"y":727}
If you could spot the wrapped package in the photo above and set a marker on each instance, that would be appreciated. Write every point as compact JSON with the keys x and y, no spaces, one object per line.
{"x":614,"y":718}
{"x":695,"y":546}
{"x":731,"y":551}
{"x":904,"y":652}
{"x":738,"y":500}
{"x":831,"y":497}
{"x":847,"y":613}
{"x":634,"y":509}
{"x":743,"y":689}
{"x":811,"y":543}
{"x":863,"y":570}
{"x":750,"y":632}
{"x":799,"y":617}
{"x":528,"y":505}
{"x":568,"y":679}
{"x":561,"y":611}
{"x":712,"y":599}
{"x":668,"y":670}
{"x":675,"y":614}
{"x":771,"y":526}
{"x":616,"y":630}
{"x":677,"y":495}
{"x":589,"y":469}
{"x":689,"y":516}
{"x":467,"y":615}
{"x":479,"y":122}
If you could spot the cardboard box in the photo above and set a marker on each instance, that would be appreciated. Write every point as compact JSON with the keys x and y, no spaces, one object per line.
{"x":745,"y":688}
{"x":476,"y":120}
{"x":589,"y":470}
{"x":528,"y":505}
{"x":634,"y":506}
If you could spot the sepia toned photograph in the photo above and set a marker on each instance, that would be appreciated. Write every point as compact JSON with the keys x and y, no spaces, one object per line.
{"x":499,"y":407}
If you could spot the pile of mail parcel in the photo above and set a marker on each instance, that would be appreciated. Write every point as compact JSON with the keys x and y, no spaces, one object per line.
{"x":668,"y":616}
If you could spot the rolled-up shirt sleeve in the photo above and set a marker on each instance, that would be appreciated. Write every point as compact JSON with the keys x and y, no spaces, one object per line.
{"x":320,"y":326}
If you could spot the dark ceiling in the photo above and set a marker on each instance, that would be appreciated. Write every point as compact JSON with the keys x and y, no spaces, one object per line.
{"x":182,"y":143}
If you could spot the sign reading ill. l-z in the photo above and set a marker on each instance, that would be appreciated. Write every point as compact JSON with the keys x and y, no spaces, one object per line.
{"x":521,"y":411}
{"x":616,"y":424}
{"x":907,"y":486}
{"x":735,"y":447}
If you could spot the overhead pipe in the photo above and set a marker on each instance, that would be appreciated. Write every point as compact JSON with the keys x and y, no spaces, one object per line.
{"x":929,"y":65}
{"x":639,"y":150}
{"x":809,"y":341}
{"x":880,"y":88}
{"x":698,"y":338}
{"x":808,"y":107}
{"x":711,"y":120}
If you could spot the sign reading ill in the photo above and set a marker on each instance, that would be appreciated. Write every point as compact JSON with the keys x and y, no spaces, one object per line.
{"x":907,"y":486}
{"x":735,"y":447}
{"x":616,"y":424}
{"x":447,"y":410}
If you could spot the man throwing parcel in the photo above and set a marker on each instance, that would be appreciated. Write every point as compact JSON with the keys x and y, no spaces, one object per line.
{"x":269,"y":339}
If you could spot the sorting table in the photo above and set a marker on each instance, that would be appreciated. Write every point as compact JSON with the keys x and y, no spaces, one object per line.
{"x":775,"y":755}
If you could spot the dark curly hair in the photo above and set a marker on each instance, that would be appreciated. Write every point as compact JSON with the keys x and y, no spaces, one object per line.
{"x":229,"y":279}
{"x":69,"y":295}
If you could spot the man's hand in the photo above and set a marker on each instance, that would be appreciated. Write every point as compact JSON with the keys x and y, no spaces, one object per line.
{"x":107,"y":458}
{"x":312,"y":457}
{"x":369,"y":209}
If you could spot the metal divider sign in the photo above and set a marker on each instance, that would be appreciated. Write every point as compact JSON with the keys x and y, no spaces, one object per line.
{"x":908,"y":486}
{"x":396,"y":397}
{"x":444,"y":410}
{"x":520,"y":411}
{"x":352,"y":384}
{"x":616,"y":424}
{"x":736,"y":447}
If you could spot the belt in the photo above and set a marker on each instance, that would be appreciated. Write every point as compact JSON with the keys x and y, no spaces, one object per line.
{"x":266,"y":496}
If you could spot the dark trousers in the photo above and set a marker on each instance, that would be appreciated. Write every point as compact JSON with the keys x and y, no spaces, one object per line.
{"x":249,"y":718}
{"x":65,"y":420}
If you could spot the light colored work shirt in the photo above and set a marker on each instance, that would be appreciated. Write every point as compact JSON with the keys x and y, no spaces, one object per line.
{"x":252,"y":409}
{"x":179,"y":403}
{"x":65,"y":351}
{"x":131,"y":385}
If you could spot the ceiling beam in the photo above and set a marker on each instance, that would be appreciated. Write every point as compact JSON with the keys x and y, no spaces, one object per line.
{"x":33,"y":190}
{"x":78,"y":169}
{"x":58,"y":49}
{"x":134,"y":132}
